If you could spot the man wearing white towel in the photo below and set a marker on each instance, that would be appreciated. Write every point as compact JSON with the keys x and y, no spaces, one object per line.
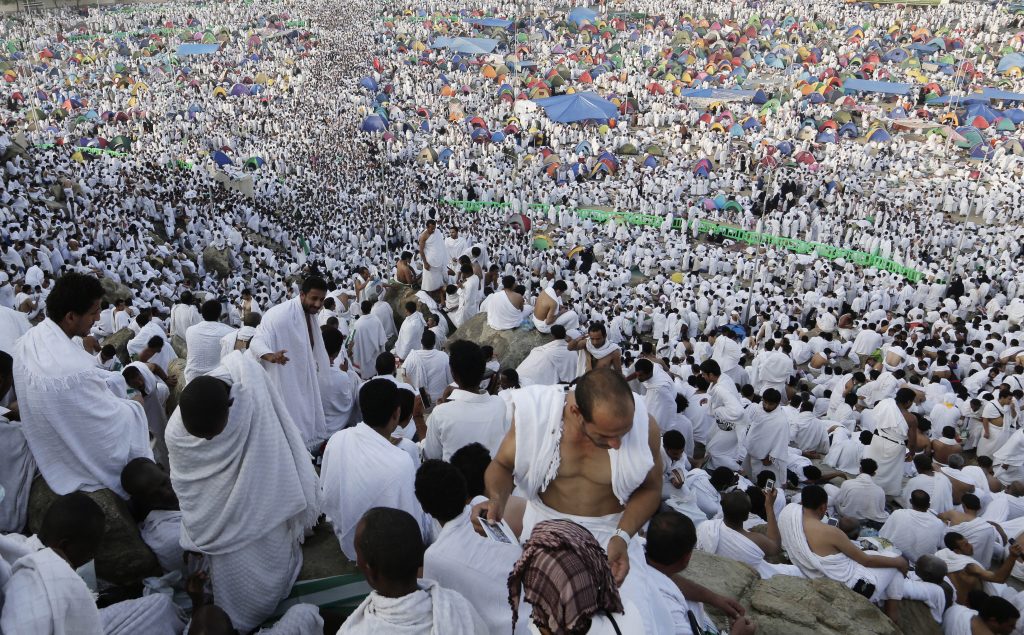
{"x":246,"y":486}
{"x":203,"y":341}
{"x":434,"y":254}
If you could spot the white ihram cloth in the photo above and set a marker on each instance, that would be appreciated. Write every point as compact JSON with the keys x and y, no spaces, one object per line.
{"x":660,"y":397}
{"x":937,"y":486}
{"x":45,"y":596}
{"x":1009,"y":459}
{"x":957,"y":620}
{"x":570,"y":320}
{"x":914,"y":533}
{"x":767,"y":437}
{"x":228,"y":342}
{"x":409,"y":335}
{"x":714,"y":536}
{"x":203,"y":342}
{"x":152,"y":329}
{"x":888,"y":447}
{"x":723,"y":448}
{"x":13,"y":324}
{"x":537,"y":415}
{"x":80,"y":434}
{"x":182,"y":317}
{"x":861,"y":498}
{"x":845,"y":452}
{"x":548,"y":364}
{"x":839,"y":567}
{"x":465,"y":418}
{"x":436,"y":254}
{"x":362,"y":470}
{"x":17,"y":468}
{"x":161,"y":531}
{"x":155,"y":405}
{"x":287,"y":327}
{"x":475,"y":567}
{"x":428,"y":370}
{"x":983,"y":538}
{"x":595,"y":353}
{"x":339,"y":391}
{"x":300,"y":619}
{"x":431,"y":610}
{"x":810,"y":433}
{"x":771,"y":369}
{"x":502,"y":315}
{"x":247,"y":495}
{"x":367,"y":341}
{"x":469,"y":301}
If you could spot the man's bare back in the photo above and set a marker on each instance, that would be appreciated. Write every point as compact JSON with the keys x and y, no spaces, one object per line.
{"x":516,"y":299}
{"x":546,"y":308}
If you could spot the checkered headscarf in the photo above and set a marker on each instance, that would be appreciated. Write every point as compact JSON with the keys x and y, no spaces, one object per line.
{"x":564,"y":574}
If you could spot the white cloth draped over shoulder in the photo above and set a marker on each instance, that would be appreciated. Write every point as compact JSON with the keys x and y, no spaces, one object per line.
{"x":288,"y":327}
{"x":80,"y":434}
{"x":259,"y":451}
{"x":17,"y":468}
{"x":548,"y":364}
{"x":713,"y":536}
{"x":537,"y":415}
{"x":914,"y":533}
{"x":435,"y":253}
{"x":45,"y":595}
{"x":410,"y":334}
{"x":887,"y":446}
{"x":431,"y":609}
{"x":247,"y":495}
{"x":502,"y":315}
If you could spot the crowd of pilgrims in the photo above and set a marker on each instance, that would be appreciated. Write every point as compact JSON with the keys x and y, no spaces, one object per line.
{"x":219,"y":348}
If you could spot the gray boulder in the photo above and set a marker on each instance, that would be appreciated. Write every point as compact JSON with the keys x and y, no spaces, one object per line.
{"x":397,"y":294}
{"x":175,"y":369}
{"x":217,"y":261}
{"x":114,"y":290}
{"x":119,"y":341}
{"x":122,"y":558}
{"x":785,"y":605}
{"x":512,"y":347}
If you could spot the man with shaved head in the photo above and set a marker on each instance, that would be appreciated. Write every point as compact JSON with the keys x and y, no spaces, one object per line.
{"x":558,"y":452}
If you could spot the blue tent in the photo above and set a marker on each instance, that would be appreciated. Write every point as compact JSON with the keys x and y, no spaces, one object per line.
{"x":870,"y":86}
{"x":196,"y":49}
{"x":373,"y":123}
{"x":983,"y":111}
{"x":1010,"y":61}
{"x":368,"y":83}
{"x":467,"y":45}
{"x":585,"y":106}
{"x":222,"y":159}
{"x":580,"y":15}
{"x":498,"y":22}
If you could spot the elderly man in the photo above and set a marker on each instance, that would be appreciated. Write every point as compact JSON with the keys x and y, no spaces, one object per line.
{"x":289,"y":343}
{"x":80,"y":433}
{"x":246,"y":486}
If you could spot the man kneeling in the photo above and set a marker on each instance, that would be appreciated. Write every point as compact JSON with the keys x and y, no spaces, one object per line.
{"x":823,"y":551}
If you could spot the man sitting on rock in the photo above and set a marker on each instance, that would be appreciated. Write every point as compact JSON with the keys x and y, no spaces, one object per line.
{"x":504,"y":308}
{"x":670,"y":541}
{"x":726,"y":537}
{"x":967,"y":574}
{"x":550,"y":363}
{"x":824,"y":551}
{"x":44,"y":593}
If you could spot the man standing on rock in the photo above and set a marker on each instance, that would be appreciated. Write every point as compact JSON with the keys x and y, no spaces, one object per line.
{"x":289,"y":343}
{"x":435,"y":261}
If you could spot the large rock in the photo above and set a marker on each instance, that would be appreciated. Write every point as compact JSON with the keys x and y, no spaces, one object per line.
{"x":512,"y":347}
{"x":785,"y":605}
{"x":176,"y":369}
{"x":217,"y":261}
{"x":397,"y":294}
{"x":119,"y":341}
{"x":113,"y":290}
{"x":123,"y":558}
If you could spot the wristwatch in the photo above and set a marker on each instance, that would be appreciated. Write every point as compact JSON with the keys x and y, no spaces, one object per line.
{"x":622,"y":533}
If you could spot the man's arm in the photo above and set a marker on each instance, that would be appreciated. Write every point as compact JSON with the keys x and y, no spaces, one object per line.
{"x":432,"y":444}
{"x":694,"y":592}
{"x":1002,"y":574}
{"x":644,"y":502}
{"x":499,"y":480}
{"x":773,"y":523}
{"x":840,"y":541}
{"x":423,"y":254}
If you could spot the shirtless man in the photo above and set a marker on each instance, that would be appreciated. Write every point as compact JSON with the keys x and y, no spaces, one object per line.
{"x":972,"y":576}
{"x":600,"y":353}
{"x":548,"y":310}
{"x":599,"y":415}
{"x":946,"y":446}
{"x":403,"y":269}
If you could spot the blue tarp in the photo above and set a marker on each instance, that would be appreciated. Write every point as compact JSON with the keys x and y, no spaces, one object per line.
{"x":1010,"y":61}
{"x":580,"y":15}
{"x":498,"y":22}
{"x":718,"y":93}
{"x":996,"y":94}
{"x":586,"y":106}
{"x":196,"y":49}
{"x":467,"y":45}
{"x":869,"y":86}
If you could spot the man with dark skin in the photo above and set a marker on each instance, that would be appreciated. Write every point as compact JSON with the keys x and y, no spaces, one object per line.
{"x":403,"y":269}
{"x":973,"y":576}
{"x":312,"y":299}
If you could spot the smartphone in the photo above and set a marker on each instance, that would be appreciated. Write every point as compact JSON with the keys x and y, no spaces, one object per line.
{"x":770,"y":484}
{"x":832,"y":521}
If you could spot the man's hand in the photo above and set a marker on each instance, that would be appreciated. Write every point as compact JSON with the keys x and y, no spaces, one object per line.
{"x":732,"y":608}
{"x":766,"y":460}
{"x":902,"y":564}
{"x":769,"y":497}
{"x":1016,"y":550}
{"x":618,"y":559}
{"x":743,"y":626}
{"x":172,"y":381}
{"x":276,"y":358}
{"x":491,"y":510}
{"x":426,"y":265}
{"x":676,"y":479}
